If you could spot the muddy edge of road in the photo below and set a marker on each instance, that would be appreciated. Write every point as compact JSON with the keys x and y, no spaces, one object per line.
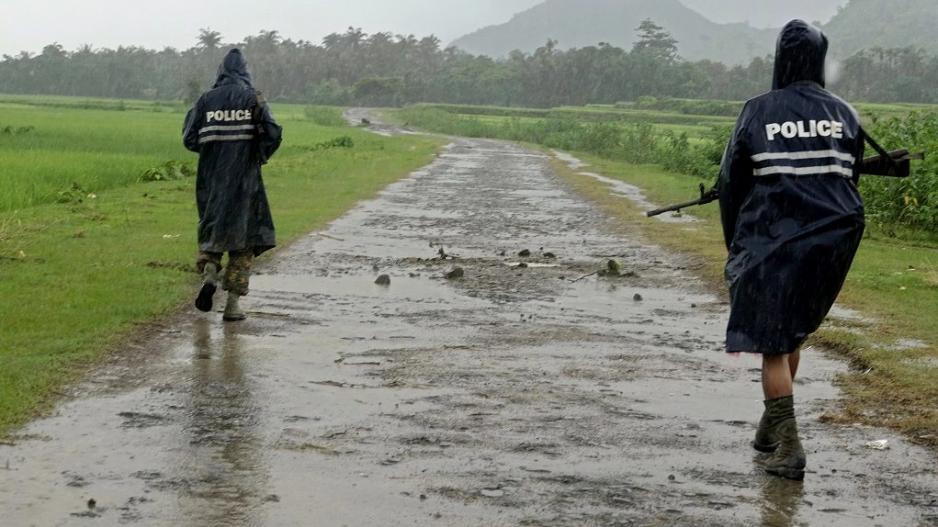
{"x":510,"y":393}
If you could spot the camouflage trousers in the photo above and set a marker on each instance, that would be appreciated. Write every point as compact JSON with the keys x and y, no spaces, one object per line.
{"x":238,"y":272}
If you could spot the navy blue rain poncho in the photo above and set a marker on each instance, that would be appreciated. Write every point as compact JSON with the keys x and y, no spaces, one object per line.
{"x":792,"y":215}
{"x":234,"y":135}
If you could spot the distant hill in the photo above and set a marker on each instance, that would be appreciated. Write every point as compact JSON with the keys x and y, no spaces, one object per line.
{"x":865,"y":24}
{"x":766,"y":13}
{"x":860,"y":24}
{"x":578,"y":23}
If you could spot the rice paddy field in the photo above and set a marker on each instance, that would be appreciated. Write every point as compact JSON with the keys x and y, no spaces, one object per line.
{"x":696,"y":118}
{"x":696,"y":126}
{"x":98,"y":221}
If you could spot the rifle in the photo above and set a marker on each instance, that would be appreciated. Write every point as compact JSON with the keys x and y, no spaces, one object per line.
{"x":706,"y":197}
{"x":897,"y":163}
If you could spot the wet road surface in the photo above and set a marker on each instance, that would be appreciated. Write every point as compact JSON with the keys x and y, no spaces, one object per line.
{"x":509,"y":396}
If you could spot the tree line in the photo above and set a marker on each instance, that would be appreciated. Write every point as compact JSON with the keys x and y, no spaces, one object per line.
{"x":382,"y":69}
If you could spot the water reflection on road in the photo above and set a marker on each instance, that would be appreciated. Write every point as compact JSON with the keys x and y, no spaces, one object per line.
{"x":225,"y":472}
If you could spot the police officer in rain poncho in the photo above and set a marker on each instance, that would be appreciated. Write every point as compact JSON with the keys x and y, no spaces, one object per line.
{"x":793,"y":219}
{"x":234,"y":133}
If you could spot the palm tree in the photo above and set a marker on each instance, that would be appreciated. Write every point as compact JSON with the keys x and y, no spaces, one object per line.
{"x":208,"y":39}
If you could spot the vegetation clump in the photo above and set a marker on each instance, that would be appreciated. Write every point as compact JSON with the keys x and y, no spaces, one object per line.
{"x":19,"y":130}
{"x":325,"y":115}
{"x":910,"y":202}
{"x":73,"y":194}
{"x":168,"y":171}
{"x":336,"y":142}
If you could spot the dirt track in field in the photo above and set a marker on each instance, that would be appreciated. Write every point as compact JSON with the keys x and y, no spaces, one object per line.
{"x":508,"y":396}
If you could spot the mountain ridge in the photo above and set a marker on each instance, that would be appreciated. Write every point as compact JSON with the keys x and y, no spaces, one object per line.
{"x":867,"y":24}
{"x":860,"y":24}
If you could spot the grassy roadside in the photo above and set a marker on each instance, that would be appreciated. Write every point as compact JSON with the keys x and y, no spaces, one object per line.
{"x":895,"y":283}
{"x":76,"y":277}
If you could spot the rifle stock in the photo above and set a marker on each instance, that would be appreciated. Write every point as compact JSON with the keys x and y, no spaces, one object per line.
{"x":899,"y":164}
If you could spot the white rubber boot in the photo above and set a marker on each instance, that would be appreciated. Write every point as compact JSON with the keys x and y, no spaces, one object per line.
{"x":233,"y":311}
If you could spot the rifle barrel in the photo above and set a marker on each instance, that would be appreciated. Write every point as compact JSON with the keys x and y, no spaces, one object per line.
{"x":675,"y":208}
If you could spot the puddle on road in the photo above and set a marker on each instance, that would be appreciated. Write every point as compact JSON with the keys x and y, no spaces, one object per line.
{"x":623,"y":189}
{"x":356,"y":287}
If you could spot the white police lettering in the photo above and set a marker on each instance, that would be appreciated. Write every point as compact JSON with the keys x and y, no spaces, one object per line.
{"x":228,"y":116}
{"x":802,"y":129}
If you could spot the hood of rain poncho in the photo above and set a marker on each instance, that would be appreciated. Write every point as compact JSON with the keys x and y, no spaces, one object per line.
{"x":800,"y":55}
{"x":233,"y":70}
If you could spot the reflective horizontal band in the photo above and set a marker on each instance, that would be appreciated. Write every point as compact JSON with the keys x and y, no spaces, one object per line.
{"x":804,"y":171}
{"x":210,"y":138}
{"x":226,"y":128}
{"x":798,"y":156}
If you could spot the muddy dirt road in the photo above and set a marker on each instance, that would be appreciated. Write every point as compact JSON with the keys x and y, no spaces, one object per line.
{"x":509,"y":396}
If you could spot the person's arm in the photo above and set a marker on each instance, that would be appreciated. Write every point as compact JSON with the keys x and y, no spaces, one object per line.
{"x":271,"y":133}
{"x":190,"y":128}
{"x":735,"y":178}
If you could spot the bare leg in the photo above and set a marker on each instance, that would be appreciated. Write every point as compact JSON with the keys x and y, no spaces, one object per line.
{"x":777,"y":376}
{"x":794,"y":360}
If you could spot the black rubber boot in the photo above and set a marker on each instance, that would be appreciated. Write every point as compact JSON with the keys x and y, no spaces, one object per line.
{"x":765,"y":440}
{"x":209,"y":285}
{"x":789,"y":459}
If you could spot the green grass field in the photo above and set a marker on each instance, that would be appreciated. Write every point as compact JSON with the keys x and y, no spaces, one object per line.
{"x":51,"y":148}
{"x":894,"y":279}
{"x":79,"y":270}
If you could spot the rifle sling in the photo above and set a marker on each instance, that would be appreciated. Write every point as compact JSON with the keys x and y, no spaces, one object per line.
{"x":879,"y":149}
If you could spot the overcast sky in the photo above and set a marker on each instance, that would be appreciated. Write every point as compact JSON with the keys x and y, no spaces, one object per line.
{"x":31,"y":24}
